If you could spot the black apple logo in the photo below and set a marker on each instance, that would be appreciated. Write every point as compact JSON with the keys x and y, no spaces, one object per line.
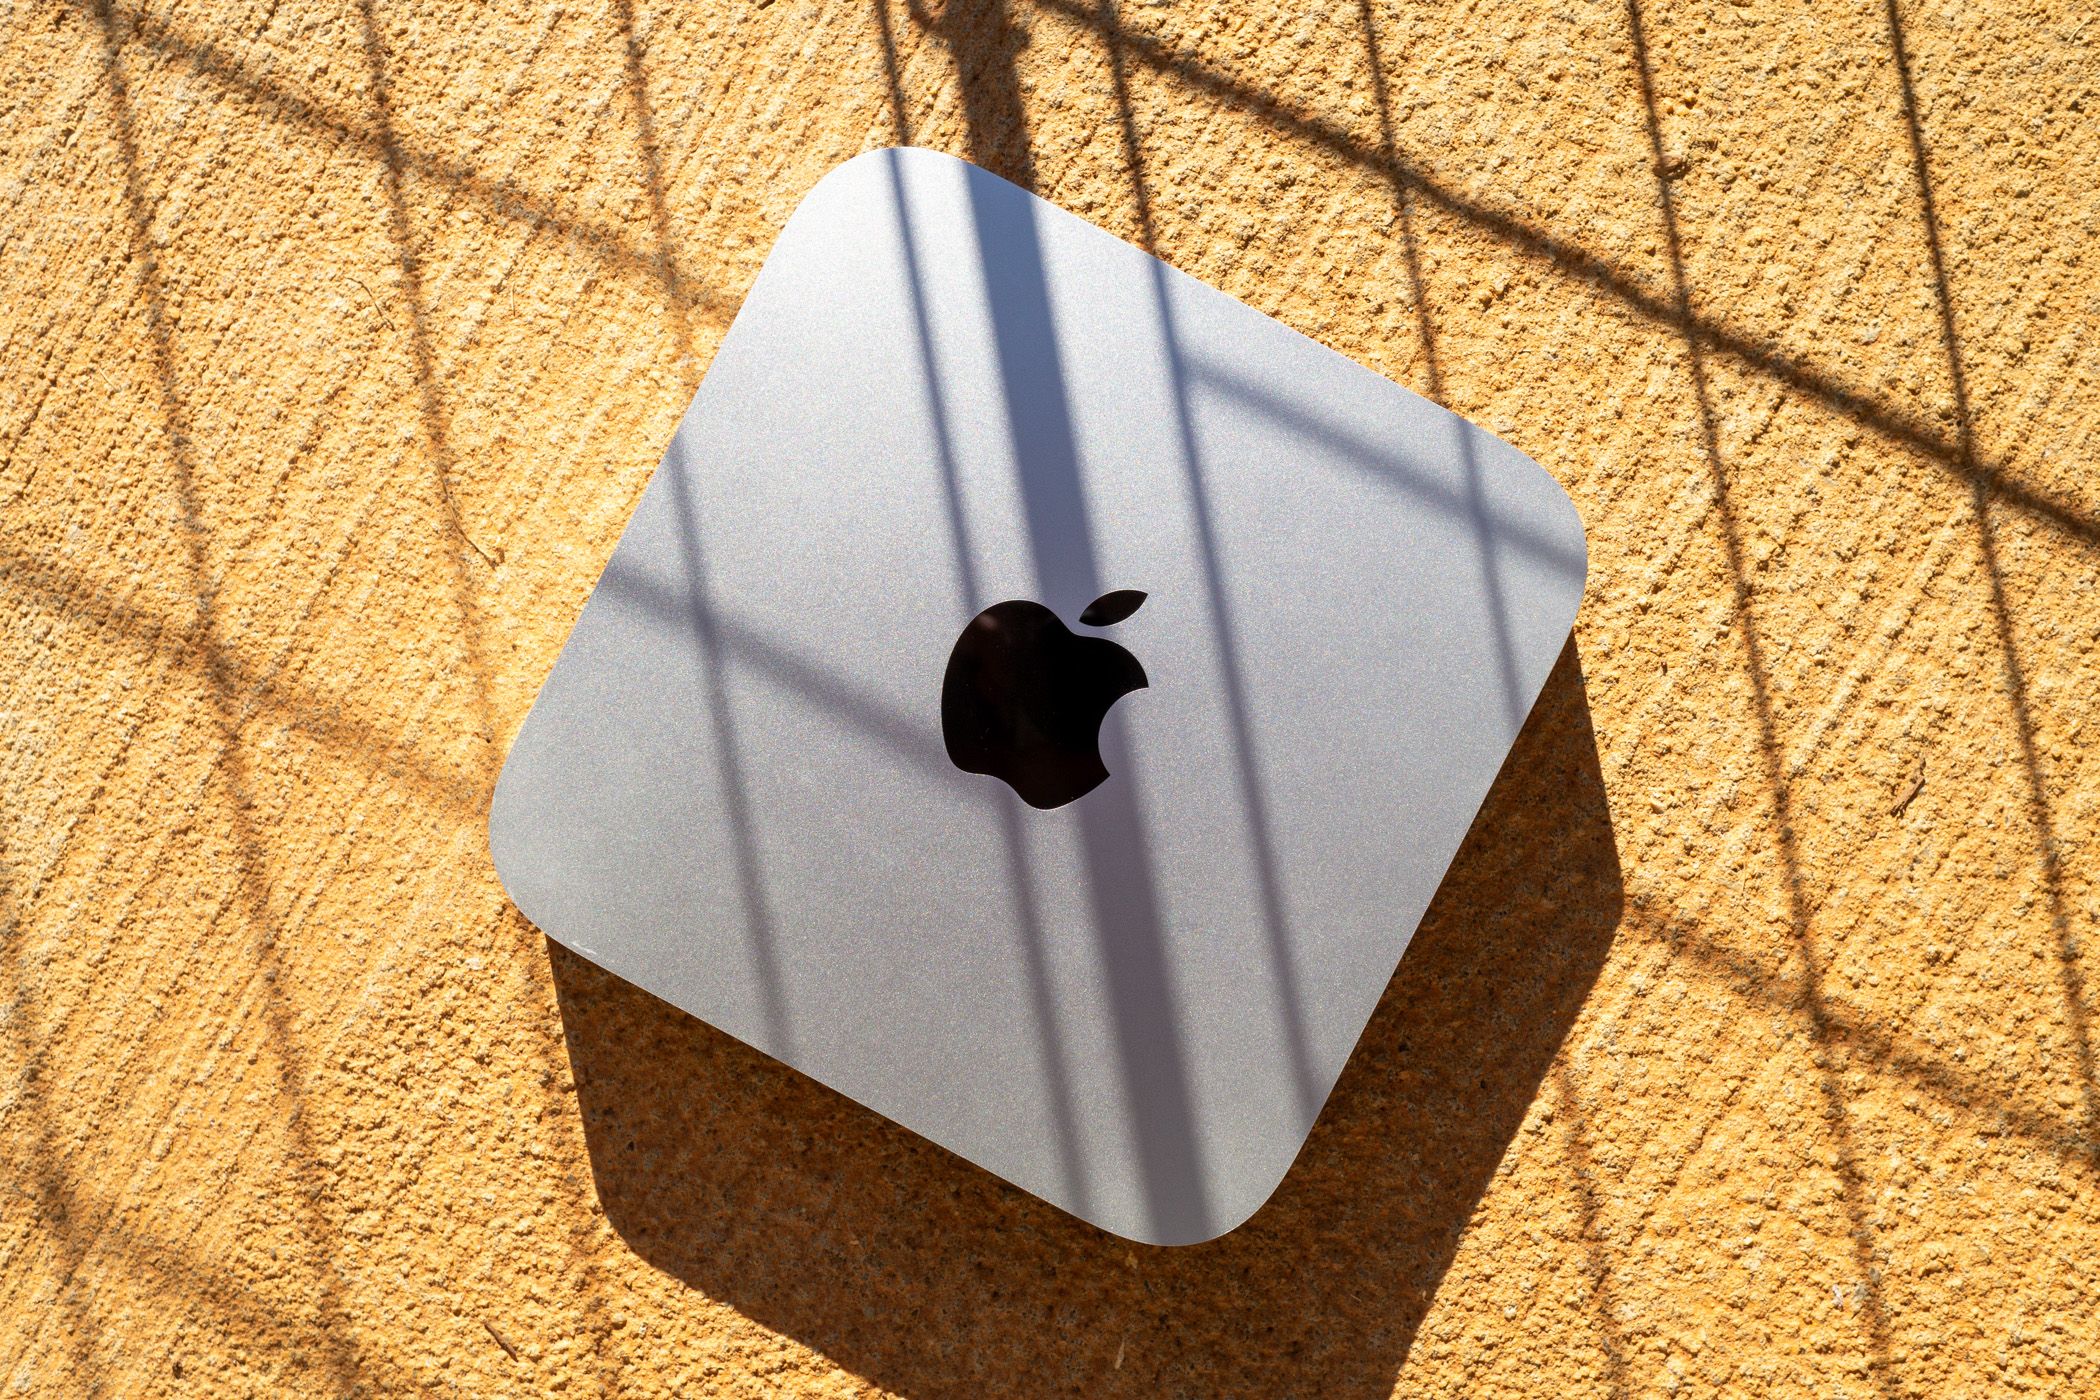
{"x":1024,"y":698}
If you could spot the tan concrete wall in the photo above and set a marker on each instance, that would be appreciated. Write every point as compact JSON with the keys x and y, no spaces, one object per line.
{"x":338,"y":339}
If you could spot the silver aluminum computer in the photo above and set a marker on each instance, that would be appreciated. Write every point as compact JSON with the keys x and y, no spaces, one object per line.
{"x":969,"y":482}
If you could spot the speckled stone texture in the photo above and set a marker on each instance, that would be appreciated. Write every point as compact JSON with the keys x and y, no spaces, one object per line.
{"x":1749,"y":1048}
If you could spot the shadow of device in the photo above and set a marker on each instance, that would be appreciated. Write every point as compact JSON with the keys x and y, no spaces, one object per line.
{"x":930,"y":1277}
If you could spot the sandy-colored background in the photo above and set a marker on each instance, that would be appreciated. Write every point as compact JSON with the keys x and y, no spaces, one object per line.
{"x":1750,"y":1047}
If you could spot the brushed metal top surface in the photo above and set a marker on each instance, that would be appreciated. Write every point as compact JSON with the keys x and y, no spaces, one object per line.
{"x":943,"y":393}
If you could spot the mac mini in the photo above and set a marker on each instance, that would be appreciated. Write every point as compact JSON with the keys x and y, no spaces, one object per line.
{"x":1037,"y":696}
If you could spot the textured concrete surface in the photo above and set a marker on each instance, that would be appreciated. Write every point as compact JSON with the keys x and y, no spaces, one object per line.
{"x":1750,"y":1047}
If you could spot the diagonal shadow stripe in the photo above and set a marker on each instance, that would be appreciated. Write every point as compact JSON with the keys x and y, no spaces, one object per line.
{"x":1771,"y":747}
{"x":1705,"y":331}
{"x":382,"y":144}
{"x":1892,"y":1052}
{"x":317,"y":715}
{"x":1983,"y":496}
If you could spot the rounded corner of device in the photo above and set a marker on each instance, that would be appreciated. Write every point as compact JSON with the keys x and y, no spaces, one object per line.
{"x":1224,"y":1217}
{"x":877,"y":155}
{"x":499,"y":832}
{"x":840,"y":178}
{"x":1239,"y":1215}
{"x":1253,"y":1202}
{"x":1579,"y":536}
{"x":502,"y":800}
{"x":1579,"y":531}
{"x":498,"y":863}
{"x":522,"y":899}
{"x":1568,"y":534}
{"x":925,"y":155}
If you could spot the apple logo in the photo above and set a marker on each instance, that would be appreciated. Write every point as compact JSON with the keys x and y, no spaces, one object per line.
{"x":1024,"y":697}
